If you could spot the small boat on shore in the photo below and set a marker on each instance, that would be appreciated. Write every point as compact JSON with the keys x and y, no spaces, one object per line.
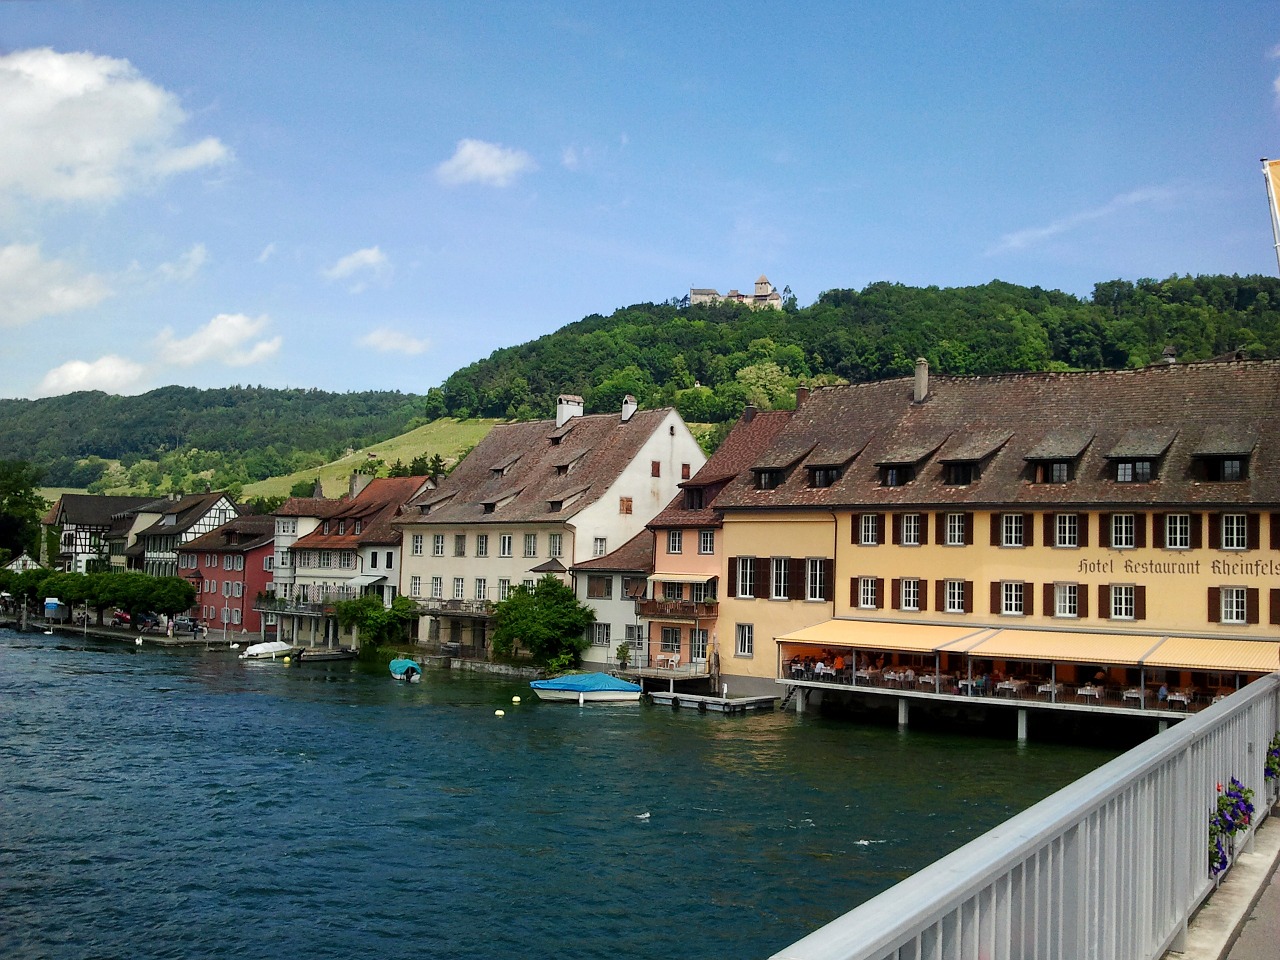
{"x":587,"y":688}
{"x":410,"y":671}
{"x":267,"y":651}
{"x":324,"y":654}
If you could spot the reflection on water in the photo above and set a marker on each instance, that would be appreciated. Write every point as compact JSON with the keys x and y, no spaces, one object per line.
{"x":180,"y":803}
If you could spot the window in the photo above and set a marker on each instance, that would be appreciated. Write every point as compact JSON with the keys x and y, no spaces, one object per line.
{"x":955,"y":530}
{"x":1220,"y":469}
{"x":555,"y":544}
{"x":235,"y":615}
{"x":701,"y":592}
{"x":373,"y":559}
{"x":346,"y":559}
{"x":1133,"y":471}
{"x":268,"y":563}
{"x":624,"y":504}
{"x":599,"y":547}
{"x":824,"y":476}
{"x":670,"y":640}
{"x":505,"y":541}
{"x":693,"y":498}
{"x":1012,"y":599}
{"x":326,"y":558}
{"x":1058,"y":471}
{"x":745,"y":637}
{"x":226,"y":561}
{"x":1235,"y":531}
{"x":779,"y":567}
{"x":389,"y":558}
{"x":769,"y":479}
{"x":910,"y":525}
{"x":482,"y":588}
{"x":1122,"y":537}
{"x":1122,"y":603}
{"x":954,"y":597}
{"x":1177,"y":531}
{"x":1066,"y":530}
{"x":869,"y":535}
{"x":459,"y":588}
{"x":226,"y":588}
{"x":437,"y":588}
{"x":655,"y":468}
{"x":1233,"y":605}
{"x":326,"y":528}
{"x":600,"y":634}
{"x":415,"y":586}
{"x":1011,"y":530}
{"x":530,"y":544}
{"x":416,"y":544}
{"x":706,"y":541}
{"x":959,"y":474}
{"x":909,"y":596}
{"x":437,"y":545}
{"x":482,"y":544}
{"x":504,"y":588}
{"x":358,"y":526}
{"x":896,"y":476}
{"x":528,"y":585}
{"x":815,"y":579}
{"x":600,"y":587}
{"x":672,"y":590}
{"x":342,"y":528}
{"x":459,"y":544}
{"x":746,"y":576}
{"x":675,"y":541}
{"x":1066,"y":600}
{"x":867,"y":598}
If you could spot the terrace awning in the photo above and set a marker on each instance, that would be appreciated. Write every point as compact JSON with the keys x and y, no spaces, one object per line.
{"x":682,"y":577}
{"x":1201,"y":653}
{"x":873,"y":635}
{"x":364,"y":580}
{"x":1065,"y":647}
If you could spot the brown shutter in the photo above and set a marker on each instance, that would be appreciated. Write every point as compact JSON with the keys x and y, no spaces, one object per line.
{"x":1082,"y":600}
{"x":828,"y":579}
{"x":922,"y":593}
{"x":762,"y":572}
{"x":880,"y":528}
{"x":939,"y":528}
{"x":1215,"y":531}
{"x":896,"y":597}
{"x":924,"y":531}
{"x":1253,"y":524}
{"x":1104,"y":530}
{"x":1029,"y":530}
{"x":795,"y":578}
{"x":940,"y":595}
{"x":1050,"y":532}
{"x":1275,"y":606}
{"x":879,"y":593}
{"x":968,"y":596}
{"x":1104,"y":601}
{"x":997,"y":525}
{"x":733,"y":576}
{"x":1274,"y":526}
{"x":897,"y":529}
{"x":1082,"y":528}
{"x":968,"y":529}
{"x":1215,"y":605}
{"x":1157,"y":530}
{"x":1029,"y":599}
{"x":1139,"y":530}
{"x":995,"y":597}
{"x":1251,"y":605}
{"x":1139,"y":602}
{"x":853,"y":592}
{"x":1197,"y":531}
{"x":1046,"y":595}
{"x":855,"y":528}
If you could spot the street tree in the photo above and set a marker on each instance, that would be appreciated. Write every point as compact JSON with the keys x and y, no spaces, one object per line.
{"x":548,"y":622}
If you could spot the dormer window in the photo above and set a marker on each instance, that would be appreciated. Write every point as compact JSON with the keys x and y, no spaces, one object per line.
{"x":489,"y":507}
{"x":1225,"y":469}
{"x":897,"y":475}
{"x":562,"y":470}
{"x":555,"y":506}
{"x":357,"y":528}
{"x":1052,"y":471}
{"x":769,"y":479}
{"x":693,"y":499}
{"x":342,"y":528}
{"x":326,"y":527}
{"x":1134,"y":471}
{"x":824,"y":476}
{"x":960,"y":474}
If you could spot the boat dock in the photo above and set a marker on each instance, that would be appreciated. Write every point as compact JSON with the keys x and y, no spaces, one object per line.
{"x":704,"y":704}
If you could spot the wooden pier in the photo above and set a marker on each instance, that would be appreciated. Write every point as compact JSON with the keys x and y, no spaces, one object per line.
{"x":704,"y":704}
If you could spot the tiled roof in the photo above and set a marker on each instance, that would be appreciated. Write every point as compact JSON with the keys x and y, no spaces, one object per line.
{"x":607,"y":443}
{"x":307,"y":507}
{"x":634,"y":556}
{"x":1183,"y":410}
{"x":240,"y":535}
{"x":87,"y":509}
{"x":186,"y":512}
{"x":376,"y":507}
{"x":736,"y":454}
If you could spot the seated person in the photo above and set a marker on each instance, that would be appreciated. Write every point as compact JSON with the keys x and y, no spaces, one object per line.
{"x":839,"y":664}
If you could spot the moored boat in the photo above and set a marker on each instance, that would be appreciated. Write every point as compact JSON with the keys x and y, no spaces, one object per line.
{"x":410,"y":671}
{"x":587,"y":688}
{"x":267,"y":651}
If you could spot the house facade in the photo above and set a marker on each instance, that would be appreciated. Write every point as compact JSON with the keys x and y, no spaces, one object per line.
{"x":612,"y":585}
{"x":1118,"y":524}
{"x":82,"y":523}
{"x":535,"y":498}
{"x":229,"y":567}
{"x":179,"y":520}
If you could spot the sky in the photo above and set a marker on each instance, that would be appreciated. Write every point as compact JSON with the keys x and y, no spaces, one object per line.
{"x":368,"y":196}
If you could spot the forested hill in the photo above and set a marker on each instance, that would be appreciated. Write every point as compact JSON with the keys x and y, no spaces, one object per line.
{"x":709,"y":361}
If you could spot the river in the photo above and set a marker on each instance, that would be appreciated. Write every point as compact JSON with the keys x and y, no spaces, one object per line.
{"x":179,"y":803}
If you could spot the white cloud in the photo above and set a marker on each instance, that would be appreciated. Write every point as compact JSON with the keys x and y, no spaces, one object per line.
{"x":32,"y":287}
{"x":225,"y":339}
{"x":1022,"y":239}
{"x":267,"y":253}
{"x":83,"y":127}
{"x":370,"y":262}
{"x":385,"y":340}
{"x":475,"y":161}
{"x":111,"y":374}
{"x":570,"y":158}
{"x":188,"y":264}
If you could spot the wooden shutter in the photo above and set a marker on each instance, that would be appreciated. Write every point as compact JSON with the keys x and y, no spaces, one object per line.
{"x":1215,"y":605}
{"x":796,"y":587}
{"x":896,"y":596}
{"x":1158,"y":521}
{"x":733,"y":576}
{"x":1029,"y":599}
{"x":1082,"y":600}
{"x":828,"y":579}
{"x":1139,"y":602}
{"x":1082,"y":529}
{"x":968,"y":529}
{"x":761,"y":572}
{"x":1197,"y":531}
{"x":1139,"y":530}
{"x":879,"y":593}
{"x":1251,"y":605}
{"x":1274,"y":527}
{"x":855,"y":528}
{"x":923,"y":526}
{"x":1215,"y":531}
{"x":897,"y":529}
{"x":1104,"y":530}
{"x":922,"y":594}
{"x":995,"y":597}
{"x":997,"y":529}
{"x":1049,"y":533}
{"x":1046,"y":596}
{"x":1275,"y":606}
{"x":940,"y":528}
{"x":968,"y":596}
{"x":853,"y":592}
{"x":1104,"y":601}
{"x":1253,"y":525}
{"x":940,"y":595}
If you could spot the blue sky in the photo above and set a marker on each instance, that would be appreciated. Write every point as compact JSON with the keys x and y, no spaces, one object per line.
{"x":361,"y":196}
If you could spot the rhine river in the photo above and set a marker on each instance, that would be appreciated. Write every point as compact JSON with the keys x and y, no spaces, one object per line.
{"x":180,"y":803}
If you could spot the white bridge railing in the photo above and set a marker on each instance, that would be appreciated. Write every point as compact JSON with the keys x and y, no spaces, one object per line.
{"x":1110,"y":867}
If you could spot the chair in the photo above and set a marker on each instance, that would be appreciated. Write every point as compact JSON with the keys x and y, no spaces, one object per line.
{"x":673,"y":661}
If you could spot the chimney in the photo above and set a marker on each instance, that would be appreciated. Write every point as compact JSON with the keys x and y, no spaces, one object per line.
{"x":567,"y":407}
{"x":802,"y":394}
{"x":629,"y":407}
{"x":922,"y":380}
{"x":358,"y":482}
{"x":748,"y":413}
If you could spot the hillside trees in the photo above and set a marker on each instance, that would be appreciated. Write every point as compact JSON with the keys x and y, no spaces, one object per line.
{"x":21,"y":508}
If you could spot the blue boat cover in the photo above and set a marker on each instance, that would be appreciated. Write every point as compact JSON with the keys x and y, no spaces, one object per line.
{"x":398,"y":667}
{"x":585,"y":683}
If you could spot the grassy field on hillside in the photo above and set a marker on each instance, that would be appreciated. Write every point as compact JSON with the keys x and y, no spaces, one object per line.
{"x":449,"y":438}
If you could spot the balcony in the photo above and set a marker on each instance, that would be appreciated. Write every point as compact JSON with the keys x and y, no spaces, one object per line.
{"x":314,"y":607}
{"x":677,"y":609}
{"x":473,"y":609}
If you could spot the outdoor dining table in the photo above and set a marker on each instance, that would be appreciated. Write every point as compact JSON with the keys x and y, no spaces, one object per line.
{"x":1182,"y":697}
{"x":1013,"y":686}
{"x":822,"y":670}
{"x":1049,"y":688}
{"x":1089,"y":690}
{"x":1136,"y":693}
{"x":968,"y":686}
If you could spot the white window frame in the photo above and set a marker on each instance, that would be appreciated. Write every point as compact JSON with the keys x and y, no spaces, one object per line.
{"x":599,"y":546}
{"x":1123,"y":526}
{"x":744,"y":635}
{"x":482,"y":544}
{"x":1123,"y":602}
{"x":437,"y":544}
{"x":1011,"y":530}
{"x":1013,"y":598}
{"x":459,"y":588}
{"x":706,"y":542}
{"x":909,"y":593}
{"x":866,"y":593}
{"x":482,"y":588}
{"x":953,"y":596}
{"x":504,"y":588}
{"x":1233,"y":605}
{"x":415,"y":586}
{"x":675,"y":541}
{"x":1066,"y":600}
{"x":779,"y":577}
{"x":416,"y":542}
{"x":955,"y":530}
{"x":910,"y":530}
{"x":815,"y":580}
{"x":1066,"y":530}
{"x":1235,"y":531}
{"x":506,"y":544}
{"x":600,"y":634}
{"x":1177,"y":531}
{"x":746,"y":577}
{"x":530,"y":545}
{"x":555,"y":545}
{"x":869,"y":535}
{"x":437,"y":588}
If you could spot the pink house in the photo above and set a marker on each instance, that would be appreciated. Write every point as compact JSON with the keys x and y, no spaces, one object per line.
{"x":229,"y":567}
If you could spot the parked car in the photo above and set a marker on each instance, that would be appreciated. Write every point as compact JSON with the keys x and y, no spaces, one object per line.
{"x":147,"y":621}
{"x":185,"y":624}
{"x":120,"y":618}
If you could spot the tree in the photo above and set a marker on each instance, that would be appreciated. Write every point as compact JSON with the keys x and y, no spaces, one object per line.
{"x":21,"y":508}
{"x":548,"y":621}
{"x":378,"y":624}
{"x":303,"y":488}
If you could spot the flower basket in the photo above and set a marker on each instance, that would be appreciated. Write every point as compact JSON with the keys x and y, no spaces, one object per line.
{"x":1232,"y":815}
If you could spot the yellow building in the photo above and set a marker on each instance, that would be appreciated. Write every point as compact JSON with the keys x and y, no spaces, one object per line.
{"x":1055,"y":526}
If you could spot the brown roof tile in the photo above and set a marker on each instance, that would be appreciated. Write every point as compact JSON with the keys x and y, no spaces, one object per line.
{"x":634,"y":556}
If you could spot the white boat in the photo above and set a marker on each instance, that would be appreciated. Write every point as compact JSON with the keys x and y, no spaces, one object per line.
{"x":267,"y":651}
{"x":587,"y":688}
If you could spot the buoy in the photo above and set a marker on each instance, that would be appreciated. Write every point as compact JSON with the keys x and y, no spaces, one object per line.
{"x":499,"y":713}
{"x":515,"y":699}
{"x":287,"y":659}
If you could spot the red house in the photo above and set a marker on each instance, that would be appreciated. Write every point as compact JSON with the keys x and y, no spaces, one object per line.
{"x":229,"y":567}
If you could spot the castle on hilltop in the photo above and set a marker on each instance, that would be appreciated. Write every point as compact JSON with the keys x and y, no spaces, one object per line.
{"x":766,"y":296}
